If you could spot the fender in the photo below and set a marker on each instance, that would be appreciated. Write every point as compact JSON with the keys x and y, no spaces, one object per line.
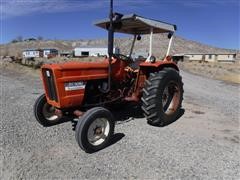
{"x":158,"y":65}
{"x":145,"y":69}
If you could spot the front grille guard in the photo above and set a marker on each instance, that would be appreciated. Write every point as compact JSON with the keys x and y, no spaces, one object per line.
{"x":50,"y":84}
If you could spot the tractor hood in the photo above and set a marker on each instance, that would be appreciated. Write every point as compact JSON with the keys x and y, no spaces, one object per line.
{"x":77,"y":65}
{"x":59,"y":81}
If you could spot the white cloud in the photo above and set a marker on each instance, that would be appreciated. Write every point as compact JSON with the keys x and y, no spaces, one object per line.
{"x":206,"y":3}
{"x":13,"y":8}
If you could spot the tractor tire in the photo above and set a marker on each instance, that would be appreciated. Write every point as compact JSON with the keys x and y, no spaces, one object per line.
{"x":162,"y":97}
{"x":45,"y":113}
{"x":95,"y":129}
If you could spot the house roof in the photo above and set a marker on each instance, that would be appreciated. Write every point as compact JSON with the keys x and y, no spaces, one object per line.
{"x":32,"y":50}
{"x":39,"y":49}
{"x":49,"y":49}
{"x":134,"y":24}
{"x":93,"y":47}
{"x":65,"y":52}
{"x":183,"y":54}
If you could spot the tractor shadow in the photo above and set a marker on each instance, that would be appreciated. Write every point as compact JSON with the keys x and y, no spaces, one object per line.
{"x":114,"y":139}
{"x":127,"y":113}
{"x":130,"y":112}
{"x":63,"y":120}
{"x":123,"y":115}
{"x":181,"y":113}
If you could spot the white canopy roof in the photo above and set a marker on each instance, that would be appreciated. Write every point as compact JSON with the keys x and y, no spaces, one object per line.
{"x":134,"y":24}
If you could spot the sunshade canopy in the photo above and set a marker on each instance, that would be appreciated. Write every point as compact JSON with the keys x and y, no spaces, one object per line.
{"x":134,"y":24}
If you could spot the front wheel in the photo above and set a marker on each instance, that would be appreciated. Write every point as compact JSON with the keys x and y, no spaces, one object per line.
{"x":162,"y":97}
{"x":45,"y":113}
{"x":94,"y":129}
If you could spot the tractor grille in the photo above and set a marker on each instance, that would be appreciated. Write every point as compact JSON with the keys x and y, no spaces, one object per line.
{"x":50,"y":84}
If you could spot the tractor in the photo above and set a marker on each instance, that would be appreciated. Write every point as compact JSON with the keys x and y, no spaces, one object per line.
{"x":85,"y":90}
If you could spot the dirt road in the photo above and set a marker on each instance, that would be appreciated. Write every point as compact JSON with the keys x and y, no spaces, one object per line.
{"x":202,"y":144}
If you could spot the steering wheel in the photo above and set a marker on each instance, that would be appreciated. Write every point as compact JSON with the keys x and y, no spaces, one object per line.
{"x":123,"y":58}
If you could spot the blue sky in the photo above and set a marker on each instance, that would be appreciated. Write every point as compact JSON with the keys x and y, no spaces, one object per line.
{"x":212,"y":22}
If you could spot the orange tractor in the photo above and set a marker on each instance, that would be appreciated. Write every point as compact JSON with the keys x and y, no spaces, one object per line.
{"x":85,"y":89}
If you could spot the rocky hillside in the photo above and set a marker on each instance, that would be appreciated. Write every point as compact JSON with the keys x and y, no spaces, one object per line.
{"x":160,"y":43}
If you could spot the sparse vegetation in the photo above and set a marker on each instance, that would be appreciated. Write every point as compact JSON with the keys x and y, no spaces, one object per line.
{"x":228,"y":72}
{"x":160,"y":45}
{"x":39,"y":38}
{"x":17,"y":39}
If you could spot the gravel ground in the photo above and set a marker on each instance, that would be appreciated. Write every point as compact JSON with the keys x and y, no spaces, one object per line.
{"x":202,"y":144}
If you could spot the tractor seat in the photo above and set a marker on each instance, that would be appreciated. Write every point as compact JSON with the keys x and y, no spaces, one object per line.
{"x":135,"y":64}
{"x":134,"y":67}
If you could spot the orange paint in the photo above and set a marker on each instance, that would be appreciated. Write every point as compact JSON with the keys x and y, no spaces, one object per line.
{"x":85,"y":71}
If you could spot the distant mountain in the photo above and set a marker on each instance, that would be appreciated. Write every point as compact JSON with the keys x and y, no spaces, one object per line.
{"x":160,"y":43}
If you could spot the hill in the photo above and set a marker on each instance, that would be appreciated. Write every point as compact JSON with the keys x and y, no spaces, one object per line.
{"x":160,"y":43}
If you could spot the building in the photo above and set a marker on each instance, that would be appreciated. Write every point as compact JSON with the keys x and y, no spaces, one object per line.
{"x":210,"y":57}
{"x":194,"y":57}
{"x":32,"y":53}
{"x":206,"y":57}
{"x":49,"y":53}
{"x":66,"y":53}
{"x":230,"y":57}
{"x":93,"y":51}
{"x":140,"y":55}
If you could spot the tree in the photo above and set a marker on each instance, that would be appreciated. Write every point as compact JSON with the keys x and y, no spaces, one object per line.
{"x":14,"y":41}
{"x":19,"y":38}
{"x":40,"y":38}
{"x":5,"y":51}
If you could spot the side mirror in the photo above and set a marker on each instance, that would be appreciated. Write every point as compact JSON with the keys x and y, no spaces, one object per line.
{"x":170,"y":35}
{"x":139,"y":37}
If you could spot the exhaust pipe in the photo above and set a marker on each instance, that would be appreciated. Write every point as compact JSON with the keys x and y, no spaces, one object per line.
{"x":110,"y":45}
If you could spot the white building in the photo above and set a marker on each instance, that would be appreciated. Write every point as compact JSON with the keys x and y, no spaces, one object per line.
{"x":50,"y":52}
{"x":32,"y":53}
{"x":93,"y":51}
{"x":210,"y":57}
{"x":226,"y":57}
{"x":194,"y":57}
{"x":207,"y":57}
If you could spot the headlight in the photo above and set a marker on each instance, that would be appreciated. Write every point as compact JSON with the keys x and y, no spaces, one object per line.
{"x":70,"y":86}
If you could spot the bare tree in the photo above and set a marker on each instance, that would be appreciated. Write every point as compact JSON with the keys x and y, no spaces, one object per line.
{"x":19,"y":38}
{"x":40,"y":38}
{"x":14,"y":41}
{"x":5,"y":51}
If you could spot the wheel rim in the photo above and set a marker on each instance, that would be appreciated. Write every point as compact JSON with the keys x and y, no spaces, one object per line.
{"x":49,"y":112}
{"x":98,"y":131}
{"x":171,"y":98}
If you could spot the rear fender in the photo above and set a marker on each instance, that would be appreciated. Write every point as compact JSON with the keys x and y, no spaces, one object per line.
{"x":148,"y":67}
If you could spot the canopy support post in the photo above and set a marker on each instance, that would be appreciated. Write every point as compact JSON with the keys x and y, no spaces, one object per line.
{"x":133,"y":43}
{"x":169,"y":45}
{"x":150,"y":44}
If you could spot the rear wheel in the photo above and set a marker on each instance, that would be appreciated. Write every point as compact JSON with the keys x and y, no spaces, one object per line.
{"x":94,"y":129}
{"x":45,"y":113}
{"x":162,"y":97}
